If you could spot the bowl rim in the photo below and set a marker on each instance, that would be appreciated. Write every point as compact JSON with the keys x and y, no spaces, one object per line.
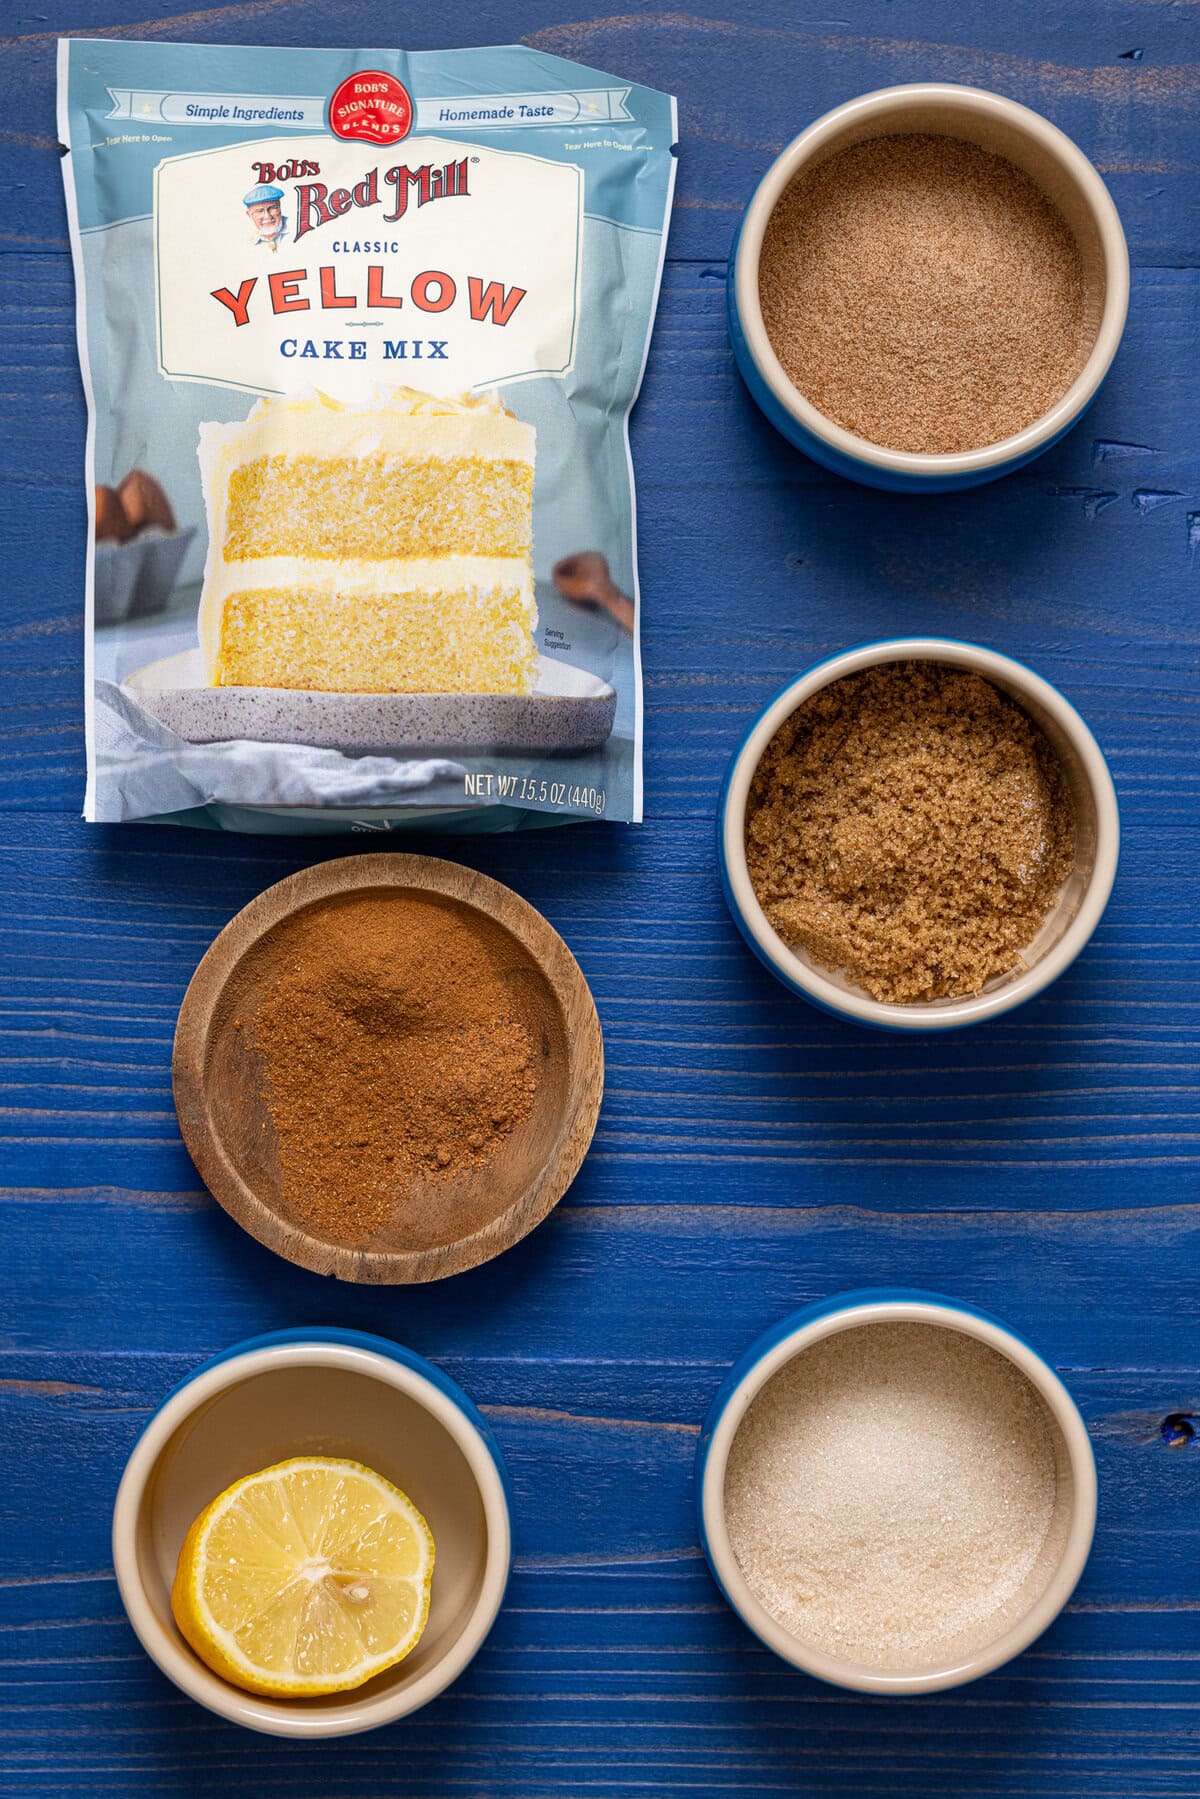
{"x":808,"y":981}
{"x":779,"y":1345}
{"x":921,"y":465}
{"x":357,"y":1353}
{"x":477,"y":892}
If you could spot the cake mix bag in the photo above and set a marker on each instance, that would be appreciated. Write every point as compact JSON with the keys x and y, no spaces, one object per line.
{"x":360,"y":333}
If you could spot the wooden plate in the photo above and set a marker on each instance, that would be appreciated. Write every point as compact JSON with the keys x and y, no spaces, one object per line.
{"x":449,"y":1224}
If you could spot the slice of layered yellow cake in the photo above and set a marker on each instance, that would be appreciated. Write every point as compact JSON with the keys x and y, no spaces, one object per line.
{"x":380,"y":547}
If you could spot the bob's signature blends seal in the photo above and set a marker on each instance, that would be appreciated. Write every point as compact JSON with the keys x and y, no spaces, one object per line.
{"x":372,"y":324}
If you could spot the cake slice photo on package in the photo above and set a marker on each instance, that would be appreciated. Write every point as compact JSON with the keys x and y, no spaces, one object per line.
{"x":360,"y":333}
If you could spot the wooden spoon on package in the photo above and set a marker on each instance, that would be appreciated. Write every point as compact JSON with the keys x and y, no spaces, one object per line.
{"x":584,"y":580}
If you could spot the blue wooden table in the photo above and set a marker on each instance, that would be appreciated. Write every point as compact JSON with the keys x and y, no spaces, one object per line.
{"x":752,"y":1154}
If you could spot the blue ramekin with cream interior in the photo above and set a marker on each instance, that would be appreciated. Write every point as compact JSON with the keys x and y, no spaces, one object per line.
{"x":329,"y":1392}
{"x":997,"y":125}
{"x":1080,"y":903}
{"x":1074,"y":1518}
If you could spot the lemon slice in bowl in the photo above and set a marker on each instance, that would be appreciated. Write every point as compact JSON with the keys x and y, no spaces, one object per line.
{"x":306,"y":1578}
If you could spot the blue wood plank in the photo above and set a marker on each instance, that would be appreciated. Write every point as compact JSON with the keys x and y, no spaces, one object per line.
{"x":621,"y":1438}
{"x":748,"y":80}
{"x":751,"y":1154}
{"x":1080,"y":564}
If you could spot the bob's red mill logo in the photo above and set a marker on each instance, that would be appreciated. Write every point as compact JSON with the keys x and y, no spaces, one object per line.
{"x":317,"y":204}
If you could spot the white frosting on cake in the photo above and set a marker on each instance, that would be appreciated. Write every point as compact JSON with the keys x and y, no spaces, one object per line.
{"x":396,"y":421}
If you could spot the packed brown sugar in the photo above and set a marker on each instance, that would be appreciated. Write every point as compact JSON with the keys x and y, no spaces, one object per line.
{"x":923,"y":294}
{"x":909,"y":827}
{"x":394,"y":1053}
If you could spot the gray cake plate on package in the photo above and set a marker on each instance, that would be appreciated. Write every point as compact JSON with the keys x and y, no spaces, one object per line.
{"x":568,"y":709}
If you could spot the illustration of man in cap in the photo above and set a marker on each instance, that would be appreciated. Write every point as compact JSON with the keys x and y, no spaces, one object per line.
{"x":264,"y":207}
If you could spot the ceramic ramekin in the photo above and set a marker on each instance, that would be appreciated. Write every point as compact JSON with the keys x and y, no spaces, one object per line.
{"x":324,"y":1392}
{"x":1071,"y":1528}
{"x":997,"y":125}
{"x":1079,"y":906}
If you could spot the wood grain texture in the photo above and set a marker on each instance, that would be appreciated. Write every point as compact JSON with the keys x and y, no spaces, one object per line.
{"x":221,"y":1101}
{"x":751,"y":1154}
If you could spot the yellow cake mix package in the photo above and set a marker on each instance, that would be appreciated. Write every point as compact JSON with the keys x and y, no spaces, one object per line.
{"x":360,"y":333}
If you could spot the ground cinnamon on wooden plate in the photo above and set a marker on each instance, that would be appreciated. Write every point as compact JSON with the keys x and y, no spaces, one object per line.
{"x":909,"y":827}
{"x":394,"y":1052}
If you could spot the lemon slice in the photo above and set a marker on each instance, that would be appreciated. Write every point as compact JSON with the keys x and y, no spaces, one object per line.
{"x":306,"y":1578}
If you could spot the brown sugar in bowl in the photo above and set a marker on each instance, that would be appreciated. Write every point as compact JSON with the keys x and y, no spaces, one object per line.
{"x":1074,"y":913}
{"x":445,"y":1221}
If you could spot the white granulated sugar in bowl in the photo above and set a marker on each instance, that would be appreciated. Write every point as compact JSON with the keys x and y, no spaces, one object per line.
{"x":891,"y":1494}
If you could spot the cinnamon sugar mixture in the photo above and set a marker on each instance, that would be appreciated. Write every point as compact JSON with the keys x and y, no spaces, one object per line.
{"x":909,"y":827}
{"x":923,"y":294}
{"x":393,"y":1051}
